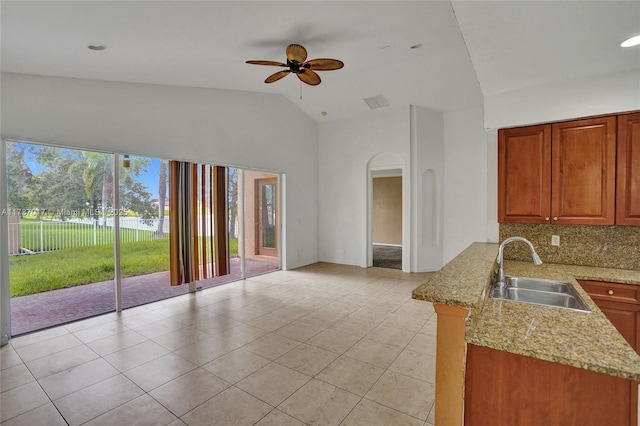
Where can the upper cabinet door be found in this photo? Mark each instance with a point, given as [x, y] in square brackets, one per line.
[583, 169]
[524, 174]
[628, 184]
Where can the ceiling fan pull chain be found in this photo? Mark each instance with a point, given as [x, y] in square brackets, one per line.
[301, 90]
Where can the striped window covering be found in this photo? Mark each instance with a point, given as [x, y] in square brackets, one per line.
[197, 222]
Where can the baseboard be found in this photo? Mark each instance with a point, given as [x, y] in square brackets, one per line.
[340, 262]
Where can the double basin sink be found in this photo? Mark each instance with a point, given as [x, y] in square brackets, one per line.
[537, 291]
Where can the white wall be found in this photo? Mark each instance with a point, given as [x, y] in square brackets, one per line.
[493, 227]
[428, 185]
[224, 127]
[565, 100]
[344, 150]
[412, 136]
[466, 177]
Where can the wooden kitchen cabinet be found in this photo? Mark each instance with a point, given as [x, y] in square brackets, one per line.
[524, 174]
[624, 318]
[503, 388]
[583, 171]
[620, 303]
[628, 170]
[560, 173]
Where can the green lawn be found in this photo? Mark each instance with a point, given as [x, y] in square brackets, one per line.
[52, 270]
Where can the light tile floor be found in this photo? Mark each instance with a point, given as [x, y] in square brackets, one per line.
[321, 345]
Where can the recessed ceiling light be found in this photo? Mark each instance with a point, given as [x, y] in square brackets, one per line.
[417, 46]
[630, 42]
[96, 46]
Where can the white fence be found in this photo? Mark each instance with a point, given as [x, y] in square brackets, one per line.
[45, 235]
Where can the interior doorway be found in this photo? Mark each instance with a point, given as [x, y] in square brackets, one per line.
[386, 218]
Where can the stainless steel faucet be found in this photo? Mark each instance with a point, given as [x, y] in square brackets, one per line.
[499, 278]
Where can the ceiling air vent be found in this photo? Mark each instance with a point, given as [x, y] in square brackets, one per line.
[377, 102]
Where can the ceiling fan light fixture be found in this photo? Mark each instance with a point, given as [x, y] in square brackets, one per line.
[630, 42]
[299, 65]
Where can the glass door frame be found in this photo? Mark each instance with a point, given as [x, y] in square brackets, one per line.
[5, 302]
[261, 216]
[280, 215]
[5, 284]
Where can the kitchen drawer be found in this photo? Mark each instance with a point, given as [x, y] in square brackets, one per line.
[625, 293]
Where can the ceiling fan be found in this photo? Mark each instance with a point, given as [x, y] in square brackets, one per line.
[298, 64]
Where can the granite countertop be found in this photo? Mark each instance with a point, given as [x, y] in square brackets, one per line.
[580, 339]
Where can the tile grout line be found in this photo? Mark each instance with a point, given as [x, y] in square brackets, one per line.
[273, 332]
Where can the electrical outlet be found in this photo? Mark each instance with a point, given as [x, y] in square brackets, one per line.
[555, 240]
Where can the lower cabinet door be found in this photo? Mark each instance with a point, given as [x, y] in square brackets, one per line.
[625, 317]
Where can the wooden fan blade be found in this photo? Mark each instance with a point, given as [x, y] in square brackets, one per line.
[276, 76]
[309, 77]
[297, 53]
[271, 63]
[325, 64]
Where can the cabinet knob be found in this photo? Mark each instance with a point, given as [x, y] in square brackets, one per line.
[555, 218]
[610, 292]
[546, 218]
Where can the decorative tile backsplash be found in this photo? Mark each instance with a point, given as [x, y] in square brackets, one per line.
[586, 245]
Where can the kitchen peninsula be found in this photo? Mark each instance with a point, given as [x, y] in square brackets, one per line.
[528, 350]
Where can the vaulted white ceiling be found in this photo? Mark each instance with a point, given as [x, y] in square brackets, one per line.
[522, 44]
[468, 48]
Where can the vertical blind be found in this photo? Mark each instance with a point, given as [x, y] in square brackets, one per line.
[197, 222]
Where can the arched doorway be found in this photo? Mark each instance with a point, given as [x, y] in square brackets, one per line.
[387, 213]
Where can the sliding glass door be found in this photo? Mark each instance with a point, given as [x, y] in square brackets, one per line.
[60, 210]
[144, 231]
[67, 208]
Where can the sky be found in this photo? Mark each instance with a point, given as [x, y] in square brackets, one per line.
[149, 178]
